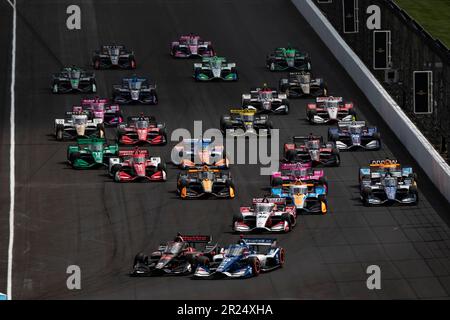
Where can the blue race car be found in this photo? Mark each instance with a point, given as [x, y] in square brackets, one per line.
[310, 198]
[135, 90]
[248, 258]
[355, 134]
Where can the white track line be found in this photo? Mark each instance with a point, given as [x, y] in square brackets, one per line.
[12, 164]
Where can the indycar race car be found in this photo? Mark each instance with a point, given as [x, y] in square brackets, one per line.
[312, 149]
[300, 84]
[298, 172]
[386, 182]
[142, 130]
[266, 100]
[73, 79]
[77, 125]
[135, 90]
[205, 182]
[288, 59]
[330, 109]
[355, 134]
[108, 114]
[137, 165]
[266, 214]
[244, 122]
[248, 258]
[191, 46]
[306, 197]
[178, 257]
[190, 153]
[91, 153]
[113, 56]
[215, 68]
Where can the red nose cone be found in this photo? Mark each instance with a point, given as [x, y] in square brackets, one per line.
[142, 134]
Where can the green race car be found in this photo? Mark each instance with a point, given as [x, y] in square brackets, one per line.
[288, 59]
[91, 153]
[215, 68]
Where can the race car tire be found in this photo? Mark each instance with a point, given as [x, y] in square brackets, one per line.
[366, 191]
[290, 155]
[229, 183]
[73, 156]
[94, 88]
[255, 265]
[141, 258]
[96, 64]
[282, 256]
[323, 181]
[287, 217]
[59, 133]
[238, 217]
[114, 169]
[352, 112]
[272, 66]
[132, 63]
[277, 182]
[334, 137]
[310, 115]
[286, 110]
[55, 88]
[203, 261]
[101, 130]
[335, 153]
[161, 166]
[155, 97]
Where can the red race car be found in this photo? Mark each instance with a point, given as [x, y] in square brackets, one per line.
[135, 165]
[311, 150]
[142, 130]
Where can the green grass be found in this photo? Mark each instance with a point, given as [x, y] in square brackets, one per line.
[433, 15]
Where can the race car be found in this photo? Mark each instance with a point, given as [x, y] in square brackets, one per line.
[91, 153]
[190, 153]
[329, 110]
[113, 56]
[137, 165]
[244, 122]
[142, 130]
[77, 125]
[350, 135]
[312, 149]
[306, 197]
[248, 258]
[135, 90]
[266, 100]
[266, 214]
[215, 68]
[204, 182]
[298, 172]
[177, 257]
[301, 84]
[73, 79]
[386, 182]
[97, 108]
[288, 58]
[191, 45]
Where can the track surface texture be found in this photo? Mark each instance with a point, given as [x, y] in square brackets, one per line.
[66, 217]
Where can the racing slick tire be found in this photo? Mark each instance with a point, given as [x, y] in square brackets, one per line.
[282, 256]
[333, 137]
[323, 199]
[323, 181]
[96, 64]
[155, 97]
[413, 191]
[94, 88]
[271, 66]
[277, 182]
[352, 113]
[59, 133]
[55, 88]
[335, 153]
[310, 115]
[140, 258]
[114, 170]
[255, 265]
[286, 217]
[365, 193]
[73, 156]
[286, 103]
[101, 130]
[202, 261]
[238, 217]
[132, 63]
[290, 155]
[225, 123]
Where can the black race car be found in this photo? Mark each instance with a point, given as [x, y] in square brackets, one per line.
[73, 79]
[135, 90]
[301, 84]
[112, 56]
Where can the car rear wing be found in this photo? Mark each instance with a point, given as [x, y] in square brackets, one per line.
[330, 98]
[277, 201]
[300, 139]
[120, 47]
[260, 241]
[196, 238]
[77, 113]
[208, 59]
[346, 124]
[243, 112]
[84, 141]
[203, 169]
[144, 118]
[130, 153]
[89, 101]
[387, 163]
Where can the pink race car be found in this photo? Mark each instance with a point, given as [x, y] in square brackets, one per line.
[298, 172]
[191, 46]
[101, 109]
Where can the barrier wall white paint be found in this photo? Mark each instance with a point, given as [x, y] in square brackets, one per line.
[415, 142]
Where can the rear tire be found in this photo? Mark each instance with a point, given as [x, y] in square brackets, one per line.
[256, 266]
[203, 261]
[140, 258]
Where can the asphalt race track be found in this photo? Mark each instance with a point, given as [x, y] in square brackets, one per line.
[66, 217]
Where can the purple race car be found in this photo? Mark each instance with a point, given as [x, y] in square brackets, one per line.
[101, 109]
[191, 46]
[298, 172]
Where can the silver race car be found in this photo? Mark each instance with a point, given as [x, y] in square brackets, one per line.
[77, 125]
[267, 100]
